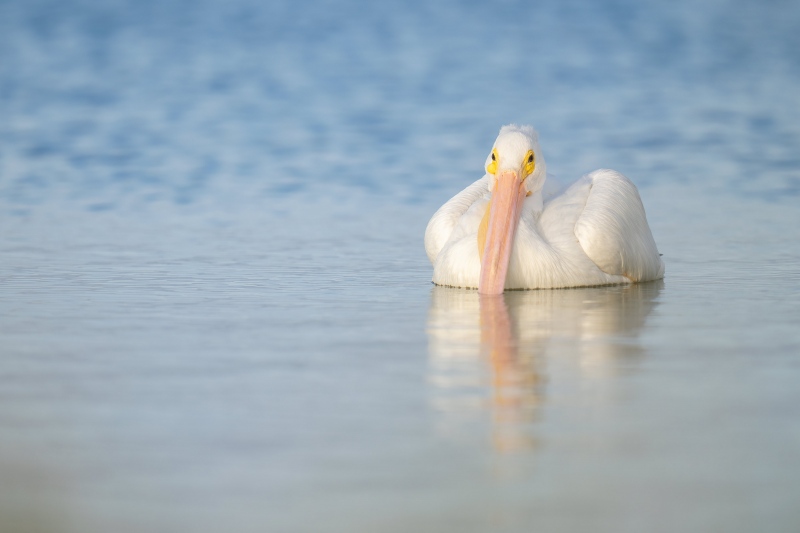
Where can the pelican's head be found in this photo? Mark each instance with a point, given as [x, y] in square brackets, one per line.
[516, 169]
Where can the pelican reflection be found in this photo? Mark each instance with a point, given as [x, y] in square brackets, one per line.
[496, 355]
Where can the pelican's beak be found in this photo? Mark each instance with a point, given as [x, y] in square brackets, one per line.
[504, 212]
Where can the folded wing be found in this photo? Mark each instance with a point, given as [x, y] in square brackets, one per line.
[444, 221]
[613, 229]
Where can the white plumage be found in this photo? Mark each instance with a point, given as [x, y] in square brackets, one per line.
[595, 233]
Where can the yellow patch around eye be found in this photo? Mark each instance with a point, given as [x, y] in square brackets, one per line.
[530, 163]
[491, 168]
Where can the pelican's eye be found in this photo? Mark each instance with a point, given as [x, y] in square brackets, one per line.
[491, 168]
[530, 163]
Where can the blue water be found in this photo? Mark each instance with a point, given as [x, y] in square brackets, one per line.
[215, 306]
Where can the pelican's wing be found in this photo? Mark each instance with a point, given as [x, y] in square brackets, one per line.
[444, 221]
[613, 229]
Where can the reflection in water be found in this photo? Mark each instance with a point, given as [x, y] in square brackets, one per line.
[495, 349]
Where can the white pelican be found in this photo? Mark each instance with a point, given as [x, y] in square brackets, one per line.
[498, 233]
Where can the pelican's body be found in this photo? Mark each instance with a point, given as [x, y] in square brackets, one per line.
[499, 233]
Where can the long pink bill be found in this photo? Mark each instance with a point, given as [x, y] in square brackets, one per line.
[505, 209]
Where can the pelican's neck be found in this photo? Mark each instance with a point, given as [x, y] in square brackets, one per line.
[534, 202]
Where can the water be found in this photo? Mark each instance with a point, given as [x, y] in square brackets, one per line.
[215, 306]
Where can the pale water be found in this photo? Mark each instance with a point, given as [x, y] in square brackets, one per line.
[216, 311]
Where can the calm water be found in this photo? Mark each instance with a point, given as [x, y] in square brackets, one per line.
[216, 311]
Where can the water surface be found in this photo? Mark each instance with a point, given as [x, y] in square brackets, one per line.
[216, 311]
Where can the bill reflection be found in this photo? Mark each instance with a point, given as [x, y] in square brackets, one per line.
[493, 358]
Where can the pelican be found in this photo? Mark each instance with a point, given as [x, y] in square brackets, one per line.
[499, 233]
